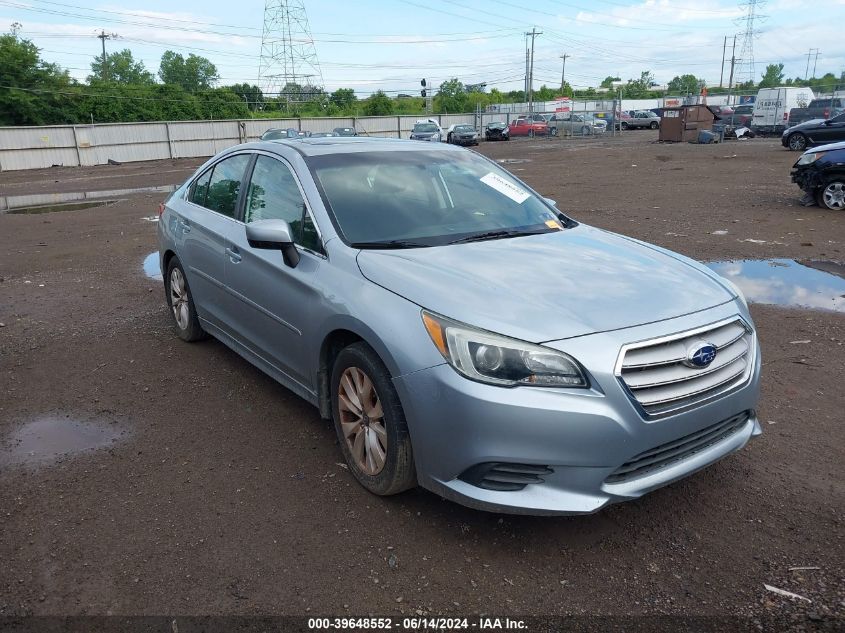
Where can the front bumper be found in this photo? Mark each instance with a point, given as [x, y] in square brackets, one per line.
[583, 436]
[807, 178]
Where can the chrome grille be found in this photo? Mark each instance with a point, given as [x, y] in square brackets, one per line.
[679, 450]
[657, 378]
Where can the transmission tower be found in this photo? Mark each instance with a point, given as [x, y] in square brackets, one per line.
[288, 55]
[746, 55]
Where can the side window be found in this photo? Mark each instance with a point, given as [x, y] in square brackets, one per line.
[225, 185]
[274, 195]
[200, 189]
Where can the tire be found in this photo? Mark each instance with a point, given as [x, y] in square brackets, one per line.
[530, 133]
[381, 460]
[654, 125]
[797, 142]
[181, 303]
[449, 139]
[832, 195]
[585, 131]
[553, 131]
[624, 125]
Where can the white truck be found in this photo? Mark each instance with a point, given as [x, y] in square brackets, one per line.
[772, 106]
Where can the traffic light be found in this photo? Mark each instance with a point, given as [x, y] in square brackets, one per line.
[422, 92]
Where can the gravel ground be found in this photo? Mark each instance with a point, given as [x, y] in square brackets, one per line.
[215, 491]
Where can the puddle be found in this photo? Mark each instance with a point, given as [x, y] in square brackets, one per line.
[513, 161]
[73, 200]
[152, 267]
[817, 285]
[67, 206]
[49, 439]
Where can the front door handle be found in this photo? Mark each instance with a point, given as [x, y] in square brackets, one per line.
[234, 255]
[185, 225]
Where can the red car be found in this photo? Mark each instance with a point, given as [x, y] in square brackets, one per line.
[526, 127]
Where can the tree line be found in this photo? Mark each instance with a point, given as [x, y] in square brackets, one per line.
[121, 89]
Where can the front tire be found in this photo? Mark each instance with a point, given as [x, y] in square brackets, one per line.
[624, 125]
[585, 131]
[370, 423]
[530, 133]
[181, 303]
[832, 195]
[654, 125]
[797, 142]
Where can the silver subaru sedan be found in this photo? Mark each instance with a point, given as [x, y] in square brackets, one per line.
[461, 332]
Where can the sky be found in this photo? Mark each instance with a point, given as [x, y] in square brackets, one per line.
[390, 45]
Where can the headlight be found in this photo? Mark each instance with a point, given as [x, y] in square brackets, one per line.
[808, 159]
[499, 360]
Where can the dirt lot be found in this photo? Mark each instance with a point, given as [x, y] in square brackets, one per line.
[219, 492]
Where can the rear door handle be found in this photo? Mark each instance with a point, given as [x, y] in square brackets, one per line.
[234, 255]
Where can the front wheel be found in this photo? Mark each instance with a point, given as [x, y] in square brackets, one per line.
[624, 125]
[654, 125]
[553, 131]
[797, 142]
[585, 131]
[370, 423]
[530, 133]
[832, 196]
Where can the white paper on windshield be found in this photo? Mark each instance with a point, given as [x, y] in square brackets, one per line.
[512, 191]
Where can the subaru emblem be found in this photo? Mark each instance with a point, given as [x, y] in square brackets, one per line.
[700, 354]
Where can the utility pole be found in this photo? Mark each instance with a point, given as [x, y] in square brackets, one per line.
[563, 72]
[103, 36]
[731, 76]
[724, 48]
[815, 60]
[534, 33]
[807, 69]
[525, 86]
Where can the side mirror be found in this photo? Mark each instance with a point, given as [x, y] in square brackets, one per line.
[551, 202]
[274, 235]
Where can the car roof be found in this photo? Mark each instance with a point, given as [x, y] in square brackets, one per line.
[347, 145]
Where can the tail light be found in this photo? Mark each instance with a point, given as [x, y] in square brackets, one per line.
[786, 116]
[826, 113]
[160, 209]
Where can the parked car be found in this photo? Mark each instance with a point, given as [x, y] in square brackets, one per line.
[276, 133]
[345, 131]
[609, 119]
[427, 131]
[403, 289]
[816, 132]
[826, 108]
[820, 172]
[497, 131]
[574, 123]
[460, 134]
[322, 134]
[742, 116]
[527, 127]
[641, 119]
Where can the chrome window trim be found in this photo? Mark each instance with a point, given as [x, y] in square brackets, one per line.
[731, 386]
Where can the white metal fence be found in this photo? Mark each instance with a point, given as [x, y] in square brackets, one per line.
[87, 145]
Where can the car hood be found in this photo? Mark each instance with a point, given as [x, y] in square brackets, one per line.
[826, 148]
[550, 286]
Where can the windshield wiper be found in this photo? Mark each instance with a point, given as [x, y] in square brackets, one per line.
[390, 244]
[498, 234]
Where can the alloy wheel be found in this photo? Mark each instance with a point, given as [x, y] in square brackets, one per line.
[797, 142]
[362, 420]
[179, 299]
[834, 196]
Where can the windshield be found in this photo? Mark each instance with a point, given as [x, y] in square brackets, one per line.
[425, 127]
[464, 128]
[425, 198]
[496, 126]
[269, 135]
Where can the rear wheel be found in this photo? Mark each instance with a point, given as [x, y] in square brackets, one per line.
[553, 131]
[370, 423]
[181, 303]
[797, 142]
[832, 196]
[530, 133]
[653, 125]
[624, 125]
[585, 131]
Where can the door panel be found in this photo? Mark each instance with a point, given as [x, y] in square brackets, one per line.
[203, 234]
[275, 300]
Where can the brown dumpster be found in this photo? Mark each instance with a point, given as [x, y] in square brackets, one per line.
[682, 124]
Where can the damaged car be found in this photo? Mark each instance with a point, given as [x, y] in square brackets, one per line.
[820, 172]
